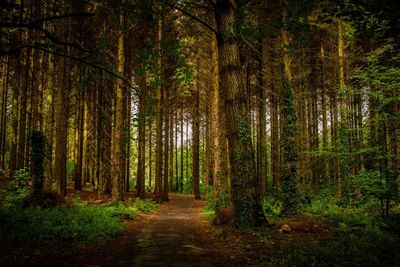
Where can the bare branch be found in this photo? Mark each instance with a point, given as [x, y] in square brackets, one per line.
[45, 32]
[86, 62]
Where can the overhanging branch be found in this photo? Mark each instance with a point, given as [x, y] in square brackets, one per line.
[86, 62]
[208, 26]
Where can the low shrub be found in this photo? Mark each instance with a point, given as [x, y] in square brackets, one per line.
[74, 223]
[371, 248]
[361, 238]
[18, 189]
[145, 205]
[79, 222]
[272, 209]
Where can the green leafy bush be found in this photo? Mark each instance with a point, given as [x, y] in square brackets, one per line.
[364, 187]
[79, 222]
[328, 208]
[361, 238]
[371, 247]
[21, 180]
[131, 210]
[145, 205]
[272, 208]
[122, 211]
[18, 189]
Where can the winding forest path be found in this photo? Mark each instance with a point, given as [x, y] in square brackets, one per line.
[173, 236]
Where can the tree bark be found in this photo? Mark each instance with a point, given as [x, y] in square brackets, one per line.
[117, 166]
[140, 180]
[166, 144]
[196, 144]
[159, 135]
[244, 186]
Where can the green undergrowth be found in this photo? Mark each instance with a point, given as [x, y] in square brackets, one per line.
[351, 231]
[360, 236]
[75, 222]
[79, 222]
[209, 212]
[370, 247]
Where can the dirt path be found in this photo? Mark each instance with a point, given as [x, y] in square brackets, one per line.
[173, 236]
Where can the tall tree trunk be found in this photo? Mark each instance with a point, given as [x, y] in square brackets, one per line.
[196, 143]
[215, 123]
[61, 129]
[106, 169]
[324, 114]
[80, 121]
[244, 186]
[159, 135]
[150, 152]
[262, 113]
[128, 140]
[187, 156]
[208, 142]
[166, 144]
[50, 122]
[23, 112]
[289, 128]
[4, 104]
[342, 104]
[176, 152]
[182, 156]
[117, 166]
[140, 180]
[172, 149]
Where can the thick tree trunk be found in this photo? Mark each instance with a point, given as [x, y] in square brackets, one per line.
[342, 103]
[117, 166]
[159, 135]
[61, 128]
[289, 128]
[215, 125]
[244, 186]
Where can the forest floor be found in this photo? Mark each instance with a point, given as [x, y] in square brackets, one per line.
[176, 234]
